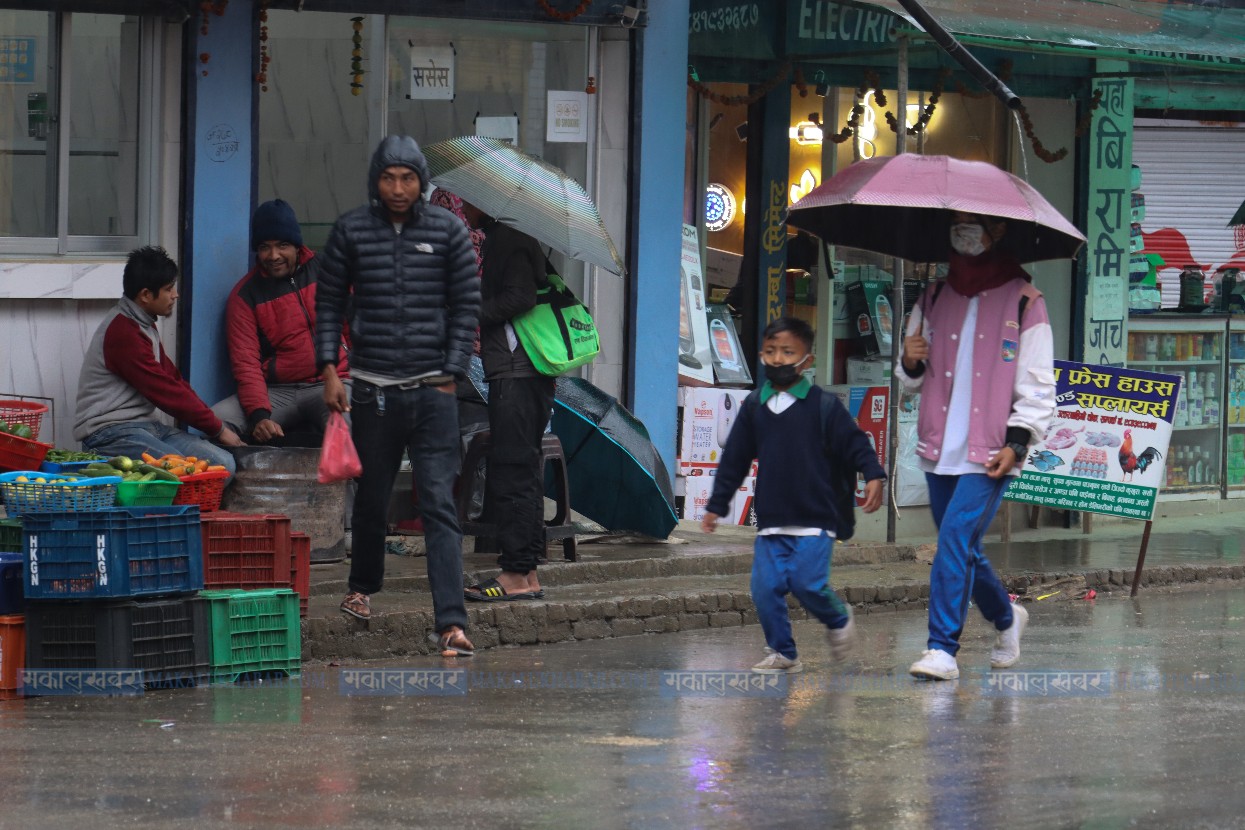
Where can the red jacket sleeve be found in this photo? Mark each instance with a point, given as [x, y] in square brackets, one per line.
[129, 355]
[242, 331]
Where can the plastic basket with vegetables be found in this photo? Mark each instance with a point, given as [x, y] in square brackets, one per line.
[68, 461]
[141, 485]
[19, 450]
[203, 483]
[28, 491]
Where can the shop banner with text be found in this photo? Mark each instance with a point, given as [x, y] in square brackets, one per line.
[1106, 446]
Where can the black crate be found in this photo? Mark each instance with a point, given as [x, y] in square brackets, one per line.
[168, 640]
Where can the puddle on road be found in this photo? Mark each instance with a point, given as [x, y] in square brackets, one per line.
[1057, 554]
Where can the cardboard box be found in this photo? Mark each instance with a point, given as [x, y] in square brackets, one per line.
[869, 371]
[700, 488]
[869, 406]
[708, 415]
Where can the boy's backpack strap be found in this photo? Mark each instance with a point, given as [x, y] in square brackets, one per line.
[843, 475]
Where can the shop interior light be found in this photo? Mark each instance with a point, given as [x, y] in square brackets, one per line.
[867, 130]
[719, 207]
[801, 189]
[807, 132]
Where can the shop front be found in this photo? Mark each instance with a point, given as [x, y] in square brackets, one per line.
[780, 101]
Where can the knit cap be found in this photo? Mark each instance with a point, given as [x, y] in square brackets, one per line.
[275, 220]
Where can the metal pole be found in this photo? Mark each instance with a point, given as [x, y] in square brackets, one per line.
[897, 317]
[1141, 558]
[961, 55]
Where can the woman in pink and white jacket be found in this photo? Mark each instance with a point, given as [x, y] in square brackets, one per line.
[978, 347]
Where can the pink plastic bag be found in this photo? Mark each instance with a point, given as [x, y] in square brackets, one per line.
[338, 459]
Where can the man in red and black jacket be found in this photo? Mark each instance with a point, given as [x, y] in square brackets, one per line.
[127, 379]
[270, 320]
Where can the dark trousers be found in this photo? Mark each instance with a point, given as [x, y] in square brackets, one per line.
[514, 490]
[424, 422]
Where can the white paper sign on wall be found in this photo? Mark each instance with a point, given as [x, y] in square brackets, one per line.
[566, 116]
[432, 73]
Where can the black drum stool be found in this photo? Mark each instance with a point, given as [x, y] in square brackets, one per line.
[557, 529]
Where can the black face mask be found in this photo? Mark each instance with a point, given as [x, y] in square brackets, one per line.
[784, 375]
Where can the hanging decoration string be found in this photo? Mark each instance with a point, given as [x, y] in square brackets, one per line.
[356, 56]
[561, 15]
[209, 8]
[927, 112]
[760, 92]
[264, 57]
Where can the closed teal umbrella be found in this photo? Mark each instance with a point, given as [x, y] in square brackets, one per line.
[526, 193]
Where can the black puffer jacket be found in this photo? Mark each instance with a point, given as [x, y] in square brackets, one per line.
[416, 294]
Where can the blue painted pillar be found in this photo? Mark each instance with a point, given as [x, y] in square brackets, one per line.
[220, 165]
[659, 115]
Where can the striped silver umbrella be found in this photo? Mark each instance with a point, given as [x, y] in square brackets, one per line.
[526, 193]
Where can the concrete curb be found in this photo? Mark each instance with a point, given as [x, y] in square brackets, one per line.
[402, 633]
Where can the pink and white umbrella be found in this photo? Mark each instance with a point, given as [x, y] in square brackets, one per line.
[899, 206]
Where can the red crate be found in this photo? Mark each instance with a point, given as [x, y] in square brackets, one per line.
[12, 651]
[21, 453]
[203, 489]
[300, 568]
[246, 551]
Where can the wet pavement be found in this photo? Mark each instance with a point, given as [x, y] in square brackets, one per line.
[1121, 713]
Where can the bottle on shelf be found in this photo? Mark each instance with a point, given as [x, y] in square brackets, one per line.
[1196, 397]
[1181, 418]
[1210, 402]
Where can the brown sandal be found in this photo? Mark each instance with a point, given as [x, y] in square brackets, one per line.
[453, 643]
[357, 605]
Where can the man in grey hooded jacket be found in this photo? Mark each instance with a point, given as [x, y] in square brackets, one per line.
[410, 270]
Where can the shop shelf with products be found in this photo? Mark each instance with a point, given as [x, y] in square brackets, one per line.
[1234, 410]
[1194, 349]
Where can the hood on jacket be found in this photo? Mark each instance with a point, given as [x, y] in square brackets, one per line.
[397, 151]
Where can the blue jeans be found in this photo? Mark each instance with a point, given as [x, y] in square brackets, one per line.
[797, 565]
[963, 507]
[424, 422]
[137, 437]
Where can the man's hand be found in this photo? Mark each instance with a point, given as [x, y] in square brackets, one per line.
[335, 397]
[915, 349]
[229, 438]
[450, 388]
[710, 522]
[1002, 463]
[873, 495]
[266, 430]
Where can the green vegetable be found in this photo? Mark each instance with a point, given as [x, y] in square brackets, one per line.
[21, 431]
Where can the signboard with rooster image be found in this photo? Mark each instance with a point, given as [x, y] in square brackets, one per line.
[1105, 448]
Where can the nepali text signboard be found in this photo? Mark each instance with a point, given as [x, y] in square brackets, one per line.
[1105, 448]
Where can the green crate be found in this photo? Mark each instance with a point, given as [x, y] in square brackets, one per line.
[254, 632]
[10, 535]
[147, 493]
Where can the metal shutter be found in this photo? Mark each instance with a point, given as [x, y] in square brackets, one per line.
[1193, 179]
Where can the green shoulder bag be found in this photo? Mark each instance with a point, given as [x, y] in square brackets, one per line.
[558, 333]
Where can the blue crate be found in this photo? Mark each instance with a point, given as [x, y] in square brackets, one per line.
[79, 494]
[11, 598]
[66, 466]
[120, 552]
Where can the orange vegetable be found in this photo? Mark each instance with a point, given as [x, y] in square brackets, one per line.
[201, 465]
[214, 468]
[148, 458]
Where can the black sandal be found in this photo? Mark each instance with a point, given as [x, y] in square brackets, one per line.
[490, 590]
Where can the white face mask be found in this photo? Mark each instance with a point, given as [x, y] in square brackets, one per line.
[966, 239]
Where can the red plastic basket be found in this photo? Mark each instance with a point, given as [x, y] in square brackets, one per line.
[203, 489]
[21, 453]
[29, 413]
[300, 565]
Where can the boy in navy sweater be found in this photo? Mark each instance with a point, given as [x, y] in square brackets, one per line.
[803, 447]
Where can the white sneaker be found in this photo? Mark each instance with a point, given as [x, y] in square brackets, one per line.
[842, 640]
[775, 663]
[1006, 649]
[935, 664]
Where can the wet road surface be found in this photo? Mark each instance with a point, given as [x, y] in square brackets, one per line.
[1121, 713]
